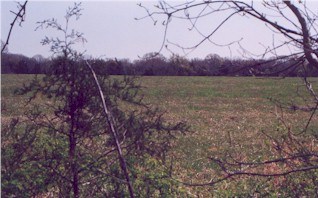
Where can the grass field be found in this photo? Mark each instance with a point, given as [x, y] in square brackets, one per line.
[224, 113]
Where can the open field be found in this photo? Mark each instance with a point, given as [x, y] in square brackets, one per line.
[224, 113]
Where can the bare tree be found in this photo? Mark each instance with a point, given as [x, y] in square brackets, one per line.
[299, 34]
[297, 24]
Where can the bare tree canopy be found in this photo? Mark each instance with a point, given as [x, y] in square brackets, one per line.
[297, 24]
[294, 21]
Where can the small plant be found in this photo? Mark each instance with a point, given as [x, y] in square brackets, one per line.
[72, 140]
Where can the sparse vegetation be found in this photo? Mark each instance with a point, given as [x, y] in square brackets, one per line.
[228, 114]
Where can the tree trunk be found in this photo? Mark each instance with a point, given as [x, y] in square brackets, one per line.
[72, 150]
[74, 168]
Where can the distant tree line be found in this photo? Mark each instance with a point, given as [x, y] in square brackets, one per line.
[20, 64]
[152, 64]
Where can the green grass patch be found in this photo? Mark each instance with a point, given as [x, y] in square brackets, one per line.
[225, 113]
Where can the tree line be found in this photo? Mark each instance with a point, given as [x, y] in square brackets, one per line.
[66, 146]
[153, 64]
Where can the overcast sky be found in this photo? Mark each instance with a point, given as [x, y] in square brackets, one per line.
[112, 31]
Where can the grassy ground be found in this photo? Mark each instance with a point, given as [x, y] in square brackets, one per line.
[225, 113]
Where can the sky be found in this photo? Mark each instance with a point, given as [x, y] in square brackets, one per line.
[111, 31]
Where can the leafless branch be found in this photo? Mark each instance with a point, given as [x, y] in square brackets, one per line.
[111, 124]
[301, 34]
[20, 15]
[305, 34]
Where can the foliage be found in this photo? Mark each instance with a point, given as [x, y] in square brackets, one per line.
[74, 148]
[22, 174]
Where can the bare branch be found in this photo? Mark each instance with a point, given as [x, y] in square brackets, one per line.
[305, 34]
[18, 16]
[111, 124]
